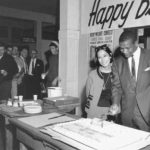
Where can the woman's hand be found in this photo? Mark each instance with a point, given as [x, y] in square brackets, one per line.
[114, 109]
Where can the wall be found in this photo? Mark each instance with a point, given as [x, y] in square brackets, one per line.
[28, 15]
[69, 45]
[74, 48]
[44, 47]
[84, 52]
[16, 13]
[116, 35]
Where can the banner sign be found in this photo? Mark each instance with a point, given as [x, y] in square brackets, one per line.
[100, 38]
[100, 15]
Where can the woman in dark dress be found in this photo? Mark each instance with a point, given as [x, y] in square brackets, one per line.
[98, 85]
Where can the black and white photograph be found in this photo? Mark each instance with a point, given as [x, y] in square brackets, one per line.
[74, 74]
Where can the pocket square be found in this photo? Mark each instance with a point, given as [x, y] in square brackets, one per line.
[147, 69]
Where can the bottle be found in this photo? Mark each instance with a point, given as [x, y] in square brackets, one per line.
[9, 102]
[43, 89]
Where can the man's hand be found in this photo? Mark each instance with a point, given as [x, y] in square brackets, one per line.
[4, 72]
[55, 81]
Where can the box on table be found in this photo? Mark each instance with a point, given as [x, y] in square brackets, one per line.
[61, 101]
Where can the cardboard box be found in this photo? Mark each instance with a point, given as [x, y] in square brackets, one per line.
[61, 100]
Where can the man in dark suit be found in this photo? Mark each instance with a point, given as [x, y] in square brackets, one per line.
[36, 68]
[8, 68]
[131, 83]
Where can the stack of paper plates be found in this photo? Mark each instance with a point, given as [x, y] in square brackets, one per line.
[32, 109]
[23, 103]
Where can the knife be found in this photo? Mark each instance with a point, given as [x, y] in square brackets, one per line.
[56, 116]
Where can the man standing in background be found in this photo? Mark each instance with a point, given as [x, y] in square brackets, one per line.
[22, 88]
[8, 68]
[52, 73]
[36, 68]
[17, 79]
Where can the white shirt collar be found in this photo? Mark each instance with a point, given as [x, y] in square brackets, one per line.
[1, 56]
[136, 56]
[137, 53]
[22, 57]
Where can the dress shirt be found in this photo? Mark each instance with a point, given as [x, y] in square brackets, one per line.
[33, 60]
[136, 56]
[24, 65]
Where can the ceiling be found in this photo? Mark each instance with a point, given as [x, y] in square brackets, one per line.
[41, 6]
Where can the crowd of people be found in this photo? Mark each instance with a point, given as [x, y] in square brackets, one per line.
[117, 86]
[21, 72]
[120, 86]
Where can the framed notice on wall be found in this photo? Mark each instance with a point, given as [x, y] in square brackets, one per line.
[100, 38]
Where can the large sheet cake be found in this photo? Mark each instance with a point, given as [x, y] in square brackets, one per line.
[99, 135]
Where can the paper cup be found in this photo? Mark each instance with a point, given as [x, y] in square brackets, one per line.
[20, 98]
[35, 97]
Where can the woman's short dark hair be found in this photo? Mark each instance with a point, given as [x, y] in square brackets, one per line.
[106, 49]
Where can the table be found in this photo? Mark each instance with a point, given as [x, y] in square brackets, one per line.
[19, 132]
[9, 130]
[33, 138]
[36, 140]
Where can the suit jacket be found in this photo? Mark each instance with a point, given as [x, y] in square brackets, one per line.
[38, 68]
[129, 92]
[94, 86]
[8, 64]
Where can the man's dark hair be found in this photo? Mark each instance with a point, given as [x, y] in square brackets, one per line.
[128, 35]
[8, 46]
[35, 50]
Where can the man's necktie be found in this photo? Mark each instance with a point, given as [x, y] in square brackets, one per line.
[32, 66]
[24, 65]
[133, 71]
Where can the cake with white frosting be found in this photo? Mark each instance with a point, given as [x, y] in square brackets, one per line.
[102, 135]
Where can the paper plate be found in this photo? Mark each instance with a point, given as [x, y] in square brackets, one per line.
[32, 109]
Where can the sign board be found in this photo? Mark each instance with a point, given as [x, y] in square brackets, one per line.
[100, 15]
[102, 37]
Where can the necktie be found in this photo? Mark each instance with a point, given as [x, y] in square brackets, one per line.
[133, 68]
[24, 65]
[32, 66]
